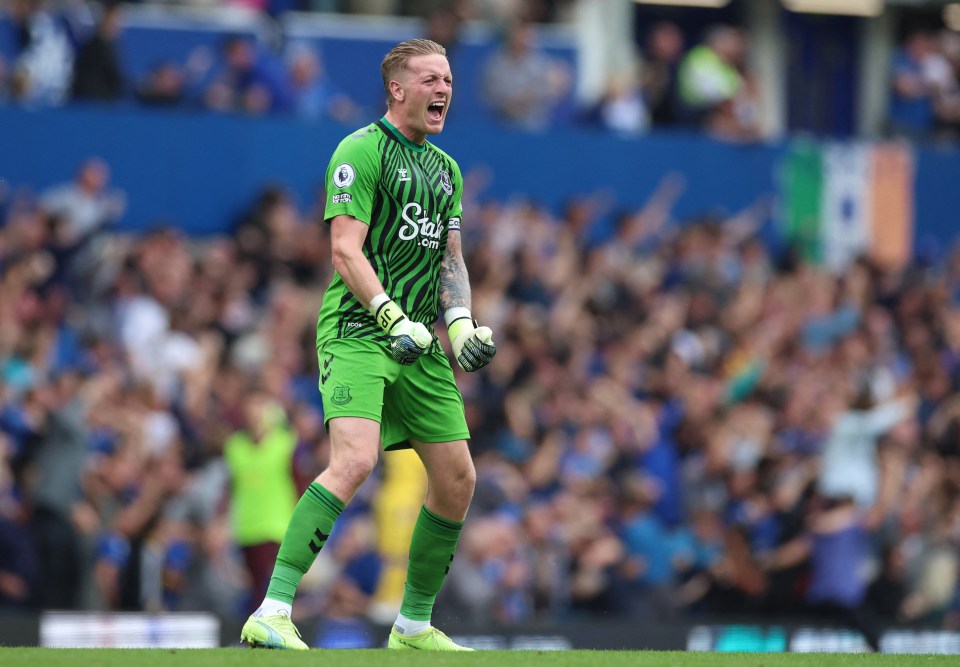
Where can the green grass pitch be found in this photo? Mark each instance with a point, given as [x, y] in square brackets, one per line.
[236, 657]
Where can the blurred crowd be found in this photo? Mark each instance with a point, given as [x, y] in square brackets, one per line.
[682, 418]
[925, 86]
[53, 54]
[682, 421]
[708, 86]
[130, 368]
[50, 57]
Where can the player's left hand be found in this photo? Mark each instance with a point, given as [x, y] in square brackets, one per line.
[473, 346]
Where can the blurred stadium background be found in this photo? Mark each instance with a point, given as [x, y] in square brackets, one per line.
[715, 240]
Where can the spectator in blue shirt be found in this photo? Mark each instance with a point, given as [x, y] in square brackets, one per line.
[315, 96]
[912, 102]
[247, 81]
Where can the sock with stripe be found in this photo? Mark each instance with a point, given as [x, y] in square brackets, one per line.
[431, 552]
[307, 532]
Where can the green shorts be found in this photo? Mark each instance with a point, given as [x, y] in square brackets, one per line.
[420, 402]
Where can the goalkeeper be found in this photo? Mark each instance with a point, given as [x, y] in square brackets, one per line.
[394, 207]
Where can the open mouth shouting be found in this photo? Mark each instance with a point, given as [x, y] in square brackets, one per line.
[435, 110]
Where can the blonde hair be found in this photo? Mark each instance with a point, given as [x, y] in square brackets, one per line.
[398, 57]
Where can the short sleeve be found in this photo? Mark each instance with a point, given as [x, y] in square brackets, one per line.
[455, 212]
[352, 177]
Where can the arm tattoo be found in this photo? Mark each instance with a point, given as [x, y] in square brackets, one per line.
[454, 283]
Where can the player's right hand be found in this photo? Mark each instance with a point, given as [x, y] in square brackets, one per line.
[408, 340]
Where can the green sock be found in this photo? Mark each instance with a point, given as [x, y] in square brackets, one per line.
[431, 552]
[306, 534]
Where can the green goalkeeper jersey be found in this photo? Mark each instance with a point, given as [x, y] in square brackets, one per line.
[411, 197]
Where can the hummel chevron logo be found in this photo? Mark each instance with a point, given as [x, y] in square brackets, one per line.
[322, 537]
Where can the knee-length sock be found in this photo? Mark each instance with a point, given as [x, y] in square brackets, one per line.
[432, 547]
[307, 532]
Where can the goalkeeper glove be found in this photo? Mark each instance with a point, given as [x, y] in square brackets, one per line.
[408, 340]
[472, 345]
